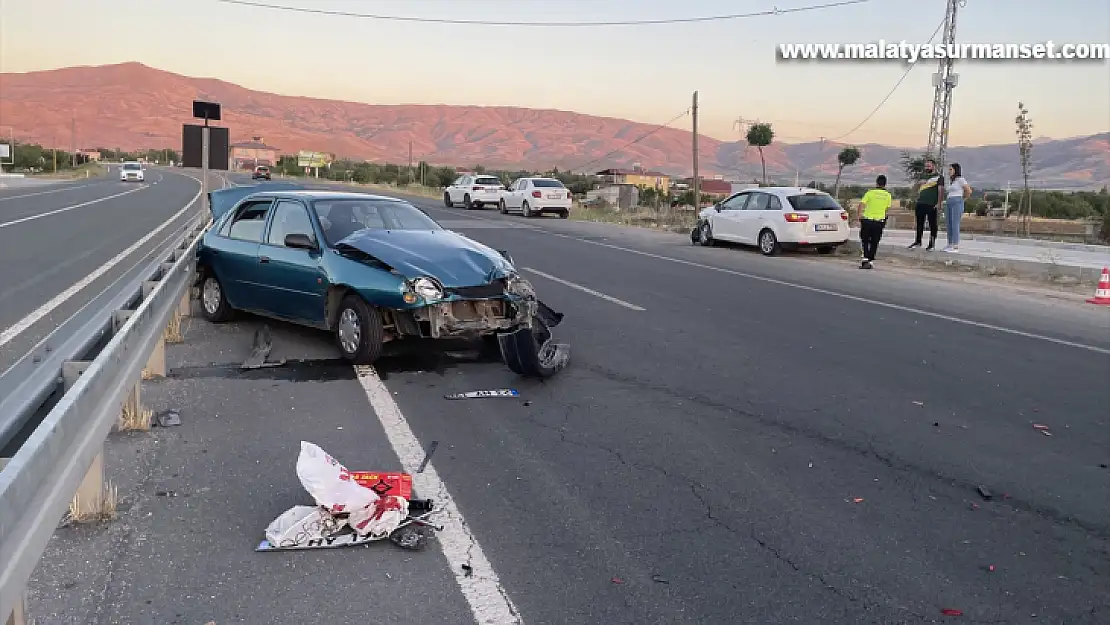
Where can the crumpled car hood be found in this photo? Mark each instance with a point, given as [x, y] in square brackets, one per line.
[451, 258]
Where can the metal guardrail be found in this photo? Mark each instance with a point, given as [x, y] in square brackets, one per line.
[63, 453]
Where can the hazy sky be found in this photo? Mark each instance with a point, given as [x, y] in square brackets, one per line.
[645, 73]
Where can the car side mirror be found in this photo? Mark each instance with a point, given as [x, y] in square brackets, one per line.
[717, 207]
[300, 242]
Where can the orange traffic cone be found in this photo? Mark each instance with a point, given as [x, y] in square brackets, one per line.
[1102, 293]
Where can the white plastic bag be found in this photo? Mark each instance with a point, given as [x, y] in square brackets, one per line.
[330, 483]
[381, 518]
[300, 524]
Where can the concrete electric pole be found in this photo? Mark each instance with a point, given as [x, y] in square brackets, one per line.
[697, 182]
[943, 82]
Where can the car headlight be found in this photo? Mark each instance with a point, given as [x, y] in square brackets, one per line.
[427, 289]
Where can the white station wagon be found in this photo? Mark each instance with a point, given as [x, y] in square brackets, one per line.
[772, 218]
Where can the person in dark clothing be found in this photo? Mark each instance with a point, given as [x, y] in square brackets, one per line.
[930, 194]
[872, 220]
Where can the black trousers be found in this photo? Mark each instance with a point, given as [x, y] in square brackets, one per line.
[925, 212]
[870, 232]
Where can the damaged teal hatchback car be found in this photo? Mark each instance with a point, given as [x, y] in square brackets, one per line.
[370, 269]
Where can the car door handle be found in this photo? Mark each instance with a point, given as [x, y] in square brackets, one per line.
[263, 259]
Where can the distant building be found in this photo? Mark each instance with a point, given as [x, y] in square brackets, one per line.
[92, 156]
[713, 187]
[638, 177]
[250, 154]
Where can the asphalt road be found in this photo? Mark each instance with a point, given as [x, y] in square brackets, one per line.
[52, 237]
[737, 439]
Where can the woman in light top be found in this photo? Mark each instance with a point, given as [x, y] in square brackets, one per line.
[958, 190]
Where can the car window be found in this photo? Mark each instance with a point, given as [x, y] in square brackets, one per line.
[523, 185]
[813, 202]
[458, 181]
[774, 204]
[735, 203]
[487, 180]
[249, 222]
[289, 218]
[758, 202]
[342, 218]
[548, 184]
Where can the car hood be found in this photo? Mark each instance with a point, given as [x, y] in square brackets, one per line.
[222, 200]
[454, 260]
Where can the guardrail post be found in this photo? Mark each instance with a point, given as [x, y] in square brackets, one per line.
[156, 364]
[89, 499]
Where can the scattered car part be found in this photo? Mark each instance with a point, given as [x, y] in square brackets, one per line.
[499, 392]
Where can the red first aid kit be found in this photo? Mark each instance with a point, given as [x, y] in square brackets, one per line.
[385, 483]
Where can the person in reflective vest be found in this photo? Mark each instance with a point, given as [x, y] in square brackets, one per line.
[872, 220]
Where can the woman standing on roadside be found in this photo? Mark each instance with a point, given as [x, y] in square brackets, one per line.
[958, 190]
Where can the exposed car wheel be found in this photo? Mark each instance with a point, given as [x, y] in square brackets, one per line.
[768, 243]
[447, 200]
[213, 303]
[826, 249]
[525, 209]
[530, 351]
[705, 234]
[501, 207]
[466, 202]
[358, 331]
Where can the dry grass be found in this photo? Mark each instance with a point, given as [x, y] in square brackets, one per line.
[104, 510]
[172, 333]
[663, 219]
[134, 417]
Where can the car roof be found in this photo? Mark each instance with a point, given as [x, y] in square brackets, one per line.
[540, 178]
[786, 190]
[314, 194]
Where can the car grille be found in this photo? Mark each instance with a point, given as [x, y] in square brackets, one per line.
[485, 291]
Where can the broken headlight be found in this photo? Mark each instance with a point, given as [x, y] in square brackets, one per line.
[427, 289]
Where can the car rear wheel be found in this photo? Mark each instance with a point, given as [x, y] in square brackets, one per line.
[467, 203]
[501, 207]
[705, 234]
[768, 243]
[826, 249]
[359, 331]
[564, 214]
[213, 303]
[525, 209]
[447, 200]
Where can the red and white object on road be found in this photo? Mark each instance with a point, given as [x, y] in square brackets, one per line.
[1102, 293]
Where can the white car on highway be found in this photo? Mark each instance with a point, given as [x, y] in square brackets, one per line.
[772, 218]
[536, 196]
[474, 191]
[131, 171]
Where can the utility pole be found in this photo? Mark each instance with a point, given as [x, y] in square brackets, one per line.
[54, 152]
[697, 182]
[944, 81]
[73, 136]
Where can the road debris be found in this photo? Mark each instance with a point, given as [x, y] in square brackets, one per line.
[952, 612]
[919, 403]
[168, 418]
[428, 456]
[468, 570]
[858, 500]
[352, 508]
[617, 580]
[499, 392]
[990, 568]
[984, 493]
[659, 579]
[1038, 426]
[260, 350]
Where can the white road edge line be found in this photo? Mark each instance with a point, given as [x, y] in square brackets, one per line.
[482, 590]
[65, 209]
[42, 311]
[813, 289]
[608, 298]
[67, 188]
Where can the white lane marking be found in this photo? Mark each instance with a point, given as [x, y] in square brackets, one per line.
[608, 298]
[487, 598]
[65, 209]
[42, 311]
[68, 188]
[813, 289]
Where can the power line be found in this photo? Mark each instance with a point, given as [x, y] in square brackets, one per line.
[435, 20]
[633, 142]
[892, 90]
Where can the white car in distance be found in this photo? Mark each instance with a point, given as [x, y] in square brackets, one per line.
[131, 171]
[536, 196]
[772, 218]
[474, 191]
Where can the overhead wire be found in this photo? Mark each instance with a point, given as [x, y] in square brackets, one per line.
[644, 22]
[647, 134]
[891, 92]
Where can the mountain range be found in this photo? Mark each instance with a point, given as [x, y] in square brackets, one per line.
[132, 106]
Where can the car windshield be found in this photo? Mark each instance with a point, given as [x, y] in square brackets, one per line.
[342, 218]
[488, 181]
[813, 202]
[554, 184]
[131, 166]
[263, 170]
